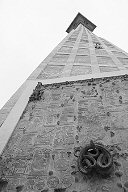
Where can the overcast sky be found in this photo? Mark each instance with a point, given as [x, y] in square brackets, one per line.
[30, 29]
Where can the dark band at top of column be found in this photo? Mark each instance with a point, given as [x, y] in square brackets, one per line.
[80, 19]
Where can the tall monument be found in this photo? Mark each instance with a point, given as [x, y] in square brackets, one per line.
[66, 128]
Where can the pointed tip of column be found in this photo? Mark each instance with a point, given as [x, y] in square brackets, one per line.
[80, 19]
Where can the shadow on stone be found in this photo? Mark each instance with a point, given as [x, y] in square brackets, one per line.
[19, 188]
[59, 190]
[3, 184]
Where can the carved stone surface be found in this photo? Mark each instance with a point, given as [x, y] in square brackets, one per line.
[39, 155]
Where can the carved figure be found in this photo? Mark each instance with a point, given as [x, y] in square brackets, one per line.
[94, 158]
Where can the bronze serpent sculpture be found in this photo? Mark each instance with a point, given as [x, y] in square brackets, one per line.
[94, 157]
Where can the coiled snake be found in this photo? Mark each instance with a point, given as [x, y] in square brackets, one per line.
[94, 157]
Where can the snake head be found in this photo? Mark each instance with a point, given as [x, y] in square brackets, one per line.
[92, 144]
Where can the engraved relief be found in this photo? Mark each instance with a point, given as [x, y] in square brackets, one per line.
[39, 156]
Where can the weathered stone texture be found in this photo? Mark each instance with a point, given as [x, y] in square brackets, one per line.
[51, 71]
[80, 70]
[60, 117]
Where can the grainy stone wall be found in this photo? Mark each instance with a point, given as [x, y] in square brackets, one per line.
[40, 153]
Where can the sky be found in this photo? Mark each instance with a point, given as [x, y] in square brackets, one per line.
[30, 29]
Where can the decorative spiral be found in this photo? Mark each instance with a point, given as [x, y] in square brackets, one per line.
[86, 163]
[104, 161]
[94, 157]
